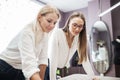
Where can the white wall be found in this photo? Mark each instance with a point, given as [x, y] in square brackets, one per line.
[14, 14]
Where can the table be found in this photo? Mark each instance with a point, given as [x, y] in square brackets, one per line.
[86, 77]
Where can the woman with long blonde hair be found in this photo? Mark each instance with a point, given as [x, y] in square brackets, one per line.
[26, 55]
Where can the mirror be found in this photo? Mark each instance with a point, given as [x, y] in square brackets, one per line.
[100, 47]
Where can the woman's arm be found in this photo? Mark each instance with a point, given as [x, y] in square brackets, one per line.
[88, 67]
[43, 58]
[53, 54]
[28, 57]
[42, 71]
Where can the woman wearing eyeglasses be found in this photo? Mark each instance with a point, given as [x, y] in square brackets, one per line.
[64, 42]
[26, 55]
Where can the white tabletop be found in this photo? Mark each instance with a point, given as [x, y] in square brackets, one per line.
[86, 77]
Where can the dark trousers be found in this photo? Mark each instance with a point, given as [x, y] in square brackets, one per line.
[7, 72]
[47, 74]
[47, 77]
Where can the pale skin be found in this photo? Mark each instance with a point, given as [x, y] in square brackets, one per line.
[47, 23]
[39, 75]
[75, 27]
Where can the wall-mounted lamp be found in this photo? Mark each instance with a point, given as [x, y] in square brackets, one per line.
[110, 9]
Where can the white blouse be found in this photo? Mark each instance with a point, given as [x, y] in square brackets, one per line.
[27, 50]
[60, 54]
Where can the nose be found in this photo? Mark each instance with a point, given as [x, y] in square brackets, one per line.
[77, 29]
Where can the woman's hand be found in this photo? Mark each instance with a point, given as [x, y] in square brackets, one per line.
[36, 76]
[96, 78]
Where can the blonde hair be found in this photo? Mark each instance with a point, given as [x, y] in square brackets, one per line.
[82, 36]
[48, 9]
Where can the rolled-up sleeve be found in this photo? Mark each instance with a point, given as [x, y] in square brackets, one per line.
[27, 53]
[88, 67]
[43, 57]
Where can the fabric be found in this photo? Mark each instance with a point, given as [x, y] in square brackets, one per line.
[116, 42]
[75, 59]
[47, 74]
[69, 71]
[116, 56]
[47, 77]
[27, 50]
[60, 54]
[7, 72]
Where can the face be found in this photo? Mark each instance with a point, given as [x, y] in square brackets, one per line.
[76, 26]
[48, 21]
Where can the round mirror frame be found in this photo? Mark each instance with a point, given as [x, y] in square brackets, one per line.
[100, 42]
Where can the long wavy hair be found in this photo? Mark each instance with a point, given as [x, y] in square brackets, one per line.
[82, 46]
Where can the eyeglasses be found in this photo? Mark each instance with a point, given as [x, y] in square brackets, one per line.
[75, 25]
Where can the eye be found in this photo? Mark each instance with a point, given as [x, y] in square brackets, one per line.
[49, 21]
[81, 26]
[74, 24]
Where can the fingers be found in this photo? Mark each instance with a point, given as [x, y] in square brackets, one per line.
[95, 78]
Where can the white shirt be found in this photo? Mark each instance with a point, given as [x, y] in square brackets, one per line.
[27, 50]
[103, 54]
[60, 54]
